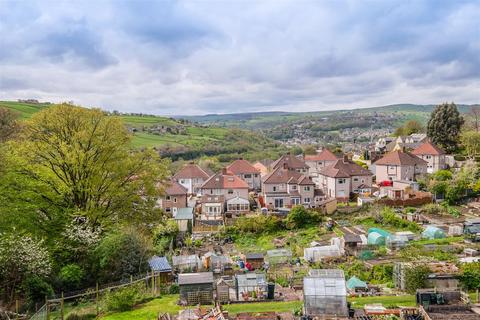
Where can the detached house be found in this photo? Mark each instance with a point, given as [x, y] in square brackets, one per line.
[434, 156]
[191, 177]
[319, 161]
[399, 165]
[344, 177]
[291, 162]
[244, 170]
[175, 198]
[284, 188]
[233, 189]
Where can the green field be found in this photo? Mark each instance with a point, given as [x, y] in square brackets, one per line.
[26, 110]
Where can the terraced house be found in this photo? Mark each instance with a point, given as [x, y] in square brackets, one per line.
[344, 177]
[317, 162]
[284, 188]
[175, 198]
[290, 162]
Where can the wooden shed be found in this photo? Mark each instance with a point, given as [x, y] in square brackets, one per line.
[196, 288]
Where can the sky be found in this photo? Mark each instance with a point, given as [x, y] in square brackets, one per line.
[199, 57]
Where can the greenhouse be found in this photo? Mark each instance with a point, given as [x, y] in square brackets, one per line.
[187, 263]
[380, 231]
[251, 286]
[375, 238]
[432, 232]
[396, 242]
[316, 254]
[325, 294]
[354, 284]
[279, 256]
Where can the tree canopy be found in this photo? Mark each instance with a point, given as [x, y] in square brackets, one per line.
[444, 126]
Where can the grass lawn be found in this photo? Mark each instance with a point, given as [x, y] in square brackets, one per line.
[168, 304]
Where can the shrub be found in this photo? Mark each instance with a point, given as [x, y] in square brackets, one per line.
[36, 289]
[71, 276]
[123, 299]
[173, 289]
[258, 224]
[300, 217]
[415, 278]
[470, 275]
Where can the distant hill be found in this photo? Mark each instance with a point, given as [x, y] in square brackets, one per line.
[259, 120]
[178, 138]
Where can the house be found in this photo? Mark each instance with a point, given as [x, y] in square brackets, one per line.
[233, 189]
[399, 165]
[263, 166]
[381, 144]
[319, 161]
[285, 188]
[196, 288]
[213, 207]
[175, 197]
[344, 177]
[184, 219]
[407, 142]
[325, 294]
[433, 155]
[291, 162]
[248, 173]
[191, 177]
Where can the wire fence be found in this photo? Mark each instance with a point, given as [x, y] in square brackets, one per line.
[89, 300]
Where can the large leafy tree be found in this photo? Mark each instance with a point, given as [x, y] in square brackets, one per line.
[71, 162]
[444, 126]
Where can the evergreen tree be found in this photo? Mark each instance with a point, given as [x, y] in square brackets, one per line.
[444, 126]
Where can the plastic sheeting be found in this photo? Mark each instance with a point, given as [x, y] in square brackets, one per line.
[316, 254]
[432, 232]
[375, 238]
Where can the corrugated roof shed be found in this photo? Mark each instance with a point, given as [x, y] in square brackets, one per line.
[159, 264]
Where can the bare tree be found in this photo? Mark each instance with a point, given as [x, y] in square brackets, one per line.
[475, 113]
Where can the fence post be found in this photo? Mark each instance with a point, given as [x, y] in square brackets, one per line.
[61, 307]
[478, 296]
[131, 278]
[16, 309]
[47, 315]
[96, 299]
[153, 283]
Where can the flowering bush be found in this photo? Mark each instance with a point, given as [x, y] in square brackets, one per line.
[21, 257]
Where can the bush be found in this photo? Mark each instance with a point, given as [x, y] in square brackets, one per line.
[258, 224]
[300, 217]
[71, 276]
[415, 278]
[123, 299]
[36, 289]
[389, 217]
[470, 275]
[79, 316]
[173, 289]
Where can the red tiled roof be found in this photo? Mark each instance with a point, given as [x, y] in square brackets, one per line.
[175, 188]
[428, 148]
[282, 175]
[191, 171]
[225, 180]
[242, 166]
[324, 155]
[400, 158]
[344, 168]
[291, 161]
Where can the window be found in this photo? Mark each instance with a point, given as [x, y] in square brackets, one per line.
[255, 175]
[428, 157]
[248, 176]
[355, 179]
[295, 201]
[341, 181]
[294, 187]
[230, 191]
[307, 188]
[274, 188]
[175, 199]
[306, 200]
[167, 198]
[182, 181]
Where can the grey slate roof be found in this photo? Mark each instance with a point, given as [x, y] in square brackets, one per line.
[195, 278]
[159, 264]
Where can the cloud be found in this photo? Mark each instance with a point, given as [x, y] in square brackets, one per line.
[187, 57]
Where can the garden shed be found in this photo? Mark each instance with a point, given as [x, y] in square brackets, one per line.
[187, 263]
[216, 263]
[196, 288]
[325, 294]
[251, 286]
[184, 219]
[433, 232]
[161, 267]
[277, 256]
[354, 284]
[316, 254]
[255, 260]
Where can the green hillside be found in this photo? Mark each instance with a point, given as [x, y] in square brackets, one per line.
[180, 139]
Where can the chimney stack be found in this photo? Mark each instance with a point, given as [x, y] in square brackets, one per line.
[224, 171]
[345, 158]
[285, 165]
